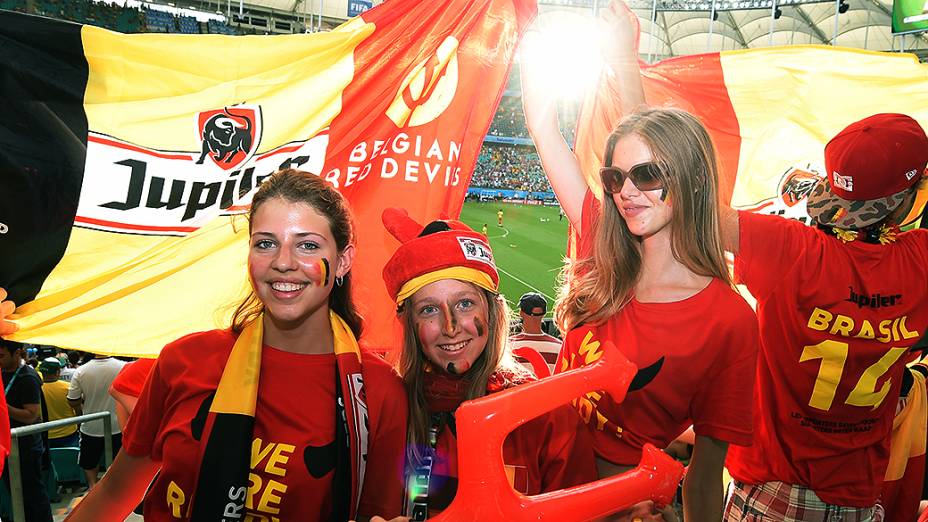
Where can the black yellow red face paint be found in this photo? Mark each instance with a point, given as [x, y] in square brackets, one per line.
[323, 265]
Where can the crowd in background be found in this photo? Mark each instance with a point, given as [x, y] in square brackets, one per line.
[517, 167]
[43, 384]
[512, 168]
[509, 120]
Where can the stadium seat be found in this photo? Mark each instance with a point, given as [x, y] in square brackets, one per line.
[65, 462]
[50, 477]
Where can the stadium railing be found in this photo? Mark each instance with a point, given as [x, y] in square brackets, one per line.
[16, 482]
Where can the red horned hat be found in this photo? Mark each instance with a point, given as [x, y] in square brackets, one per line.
[444, 249]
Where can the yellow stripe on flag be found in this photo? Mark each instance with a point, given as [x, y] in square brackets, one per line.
[122, 291]
[143, 88]
[790, 101]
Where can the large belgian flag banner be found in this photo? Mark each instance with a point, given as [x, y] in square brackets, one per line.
[127, 161]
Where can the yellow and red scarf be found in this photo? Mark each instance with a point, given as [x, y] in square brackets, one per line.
[226, 446]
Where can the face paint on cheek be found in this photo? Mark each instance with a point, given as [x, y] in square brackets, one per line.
[323, 266]
[420, 335]
[453, 320]
[479, 326]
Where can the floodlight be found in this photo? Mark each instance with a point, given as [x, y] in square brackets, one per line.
[571, 46]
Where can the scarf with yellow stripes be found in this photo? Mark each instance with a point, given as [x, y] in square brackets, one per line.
[226, 445]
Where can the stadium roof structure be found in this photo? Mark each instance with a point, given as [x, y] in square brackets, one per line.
[682, 27]
[668, 27]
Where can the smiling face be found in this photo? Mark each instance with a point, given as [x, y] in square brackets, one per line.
[293, 260]
[451, 319]
[643, 211]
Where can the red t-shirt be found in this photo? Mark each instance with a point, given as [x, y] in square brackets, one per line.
[132, 377]
[709, 344]
[835, 322]
[545, 454]
[294, 430]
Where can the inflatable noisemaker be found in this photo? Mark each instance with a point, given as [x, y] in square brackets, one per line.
[483, 491]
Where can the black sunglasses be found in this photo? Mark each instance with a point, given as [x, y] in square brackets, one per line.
[645, 176]
[534, 314]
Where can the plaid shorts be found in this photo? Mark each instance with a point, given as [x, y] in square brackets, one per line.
[787, 503]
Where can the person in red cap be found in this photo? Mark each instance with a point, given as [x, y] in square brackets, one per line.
[455, 325]
[839, 306]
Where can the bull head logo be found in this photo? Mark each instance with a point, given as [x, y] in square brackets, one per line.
[428, 89]
[229, 136]
[797, 184]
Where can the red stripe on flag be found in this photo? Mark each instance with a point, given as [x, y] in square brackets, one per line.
[128, 146]
[419, 156]
[697, 85]
[291, 148]
[129, 226]
[693, 83]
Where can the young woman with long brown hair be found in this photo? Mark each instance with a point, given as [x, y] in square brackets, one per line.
[281, 416]
[651, 277]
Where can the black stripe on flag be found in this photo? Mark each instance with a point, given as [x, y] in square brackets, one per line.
[224, 468]
[43, 143]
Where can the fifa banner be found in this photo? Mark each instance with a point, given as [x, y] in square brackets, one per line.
[128, 162]
[770, 113]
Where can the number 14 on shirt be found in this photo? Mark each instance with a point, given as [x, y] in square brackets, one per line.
[833, 355]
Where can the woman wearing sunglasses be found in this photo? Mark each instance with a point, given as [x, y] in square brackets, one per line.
[650, 276]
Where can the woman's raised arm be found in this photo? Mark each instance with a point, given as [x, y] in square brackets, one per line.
[559, 162]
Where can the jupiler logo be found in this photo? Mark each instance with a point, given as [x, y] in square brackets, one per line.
[134, 189]
[792, 193]
[229, 135]
[476, 250]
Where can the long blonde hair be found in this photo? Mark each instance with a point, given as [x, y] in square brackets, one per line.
[598, 287]
[412, 365]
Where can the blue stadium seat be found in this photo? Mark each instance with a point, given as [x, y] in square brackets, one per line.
[65, 462]
[50, 477]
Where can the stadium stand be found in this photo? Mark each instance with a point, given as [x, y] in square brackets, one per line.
[115, 17]
[188, 25]
[509, 120]
[508, 160]
[159, 21]
[217, 27]
[512, 168]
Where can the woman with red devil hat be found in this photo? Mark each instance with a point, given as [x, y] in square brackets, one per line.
[455, 347]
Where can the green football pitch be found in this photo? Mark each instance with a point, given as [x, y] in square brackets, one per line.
[529, 247]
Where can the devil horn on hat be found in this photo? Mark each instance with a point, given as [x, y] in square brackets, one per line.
[398, 223]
